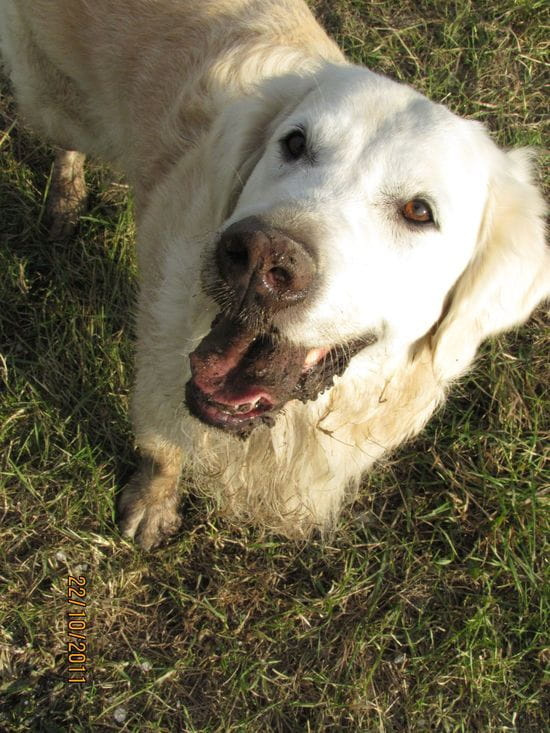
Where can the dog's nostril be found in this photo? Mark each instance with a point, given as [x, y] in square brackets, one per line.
[279, 277]
[237, 252]
[264, 267]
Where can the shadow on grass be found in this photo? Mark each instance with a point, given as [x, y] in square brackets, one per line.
[66, 323]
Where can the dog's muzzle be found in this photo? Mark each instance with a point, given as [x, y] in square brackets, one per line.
[243, 371]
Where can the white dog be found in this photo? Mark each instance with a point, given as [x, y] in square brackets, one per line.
[321, 249]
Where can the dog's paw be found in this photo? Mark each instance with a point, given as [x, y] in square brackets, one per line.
[145, 520]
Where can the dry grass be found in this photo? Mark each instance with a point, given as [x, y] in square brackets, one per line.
[428, 611]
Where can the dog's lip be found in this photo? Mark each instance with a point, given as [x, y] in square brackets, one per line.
[241, 378]
[213, 413]
[234, 399]
[237, 409]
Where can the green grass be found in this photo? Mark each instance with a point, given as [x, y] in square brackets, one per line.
[429, 609]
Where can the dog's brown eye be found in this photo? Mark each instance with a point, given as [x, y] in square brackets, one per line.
[295, 145]
[418, 211]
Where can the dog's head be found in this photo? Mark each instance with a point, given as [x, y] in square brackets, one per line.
[356, 212]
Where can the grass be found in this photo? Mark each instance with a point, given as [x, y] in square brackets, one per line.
[429, 609]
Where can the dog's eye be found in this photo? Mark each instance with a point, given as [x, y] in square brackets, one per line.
[418, 211]
[294, 145]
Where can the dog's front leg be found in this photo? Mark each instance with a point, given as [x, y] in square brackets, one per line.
[148, 505]
[68, 196]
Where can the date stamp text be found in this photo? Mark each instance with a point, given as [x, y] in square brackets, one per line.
[76, 627]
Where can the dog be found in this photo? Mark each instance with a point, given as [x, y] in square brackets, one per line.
[321, 249]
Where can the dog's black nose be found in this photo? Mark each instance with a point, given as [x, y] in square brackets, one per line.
[264, 266]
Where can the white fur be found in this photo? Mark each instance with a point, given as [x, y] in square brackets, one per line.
[195, 120]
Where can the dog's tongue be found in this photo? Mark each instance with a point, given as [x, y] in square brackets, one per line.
[235, 365]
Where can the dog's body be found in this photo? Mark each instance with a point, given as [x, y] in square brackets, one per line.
[356, 242]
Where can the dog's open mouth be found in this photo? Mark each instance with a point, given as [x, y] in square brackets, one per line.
[241, 379]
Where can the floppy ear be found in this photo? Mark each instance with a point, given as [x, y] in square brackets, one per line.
[241, 133]
[509, 275]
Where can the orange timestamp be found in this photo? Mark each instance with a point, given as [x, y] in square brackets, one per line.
[76, 628]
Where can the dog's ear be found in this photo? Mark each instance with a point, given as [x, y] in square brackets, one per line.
[240, 135]
[508, 276]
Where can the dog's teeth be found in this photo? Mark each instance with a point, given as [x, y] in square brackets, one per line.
[314, 356]
[245, 408]
[234, 409]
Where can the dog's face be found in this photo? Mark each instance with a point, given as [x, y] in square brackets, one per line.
[363, 208]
